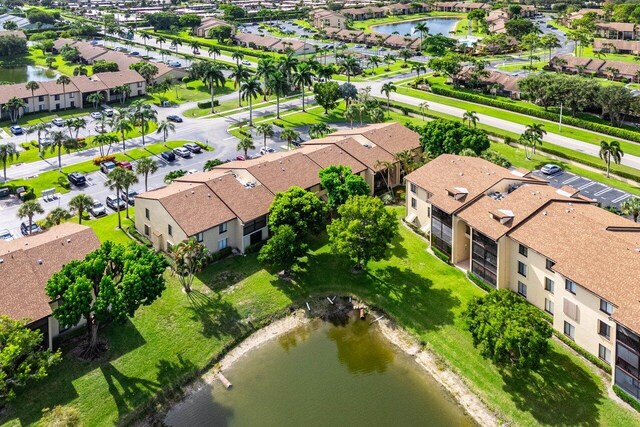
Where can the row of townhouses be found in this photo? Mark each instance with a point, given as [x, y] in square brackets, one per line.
[228, 206]
[557, 249]
[596, 67]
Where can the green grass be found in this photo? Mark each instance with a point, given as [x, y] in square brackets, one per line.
[230, 106]
[519, 66]
[462, 29]
[192, 91]
[588, 53]
[179, 335]
[106, 227]
[366, 24]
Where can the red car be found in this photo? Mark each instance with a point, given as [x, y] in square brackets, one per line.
[239, 157]
[125, 165]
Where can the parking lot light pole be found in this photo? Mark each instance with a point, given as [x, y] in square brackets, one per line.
[560, 123]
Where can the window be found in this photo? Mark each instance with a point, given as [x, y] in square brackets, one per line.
[41, 98]
[414, 203]
[414, 188]
[548, 306]
[72, 95]
[522, 250]
[200, 237]
[606, 307]
[604, 353]
[569, 330]
[146, 230]
[428, 211]
[222, 228]
[139, 84]
[169, 230]
[223, 243]
[522, 269]
[255, 225]
[56, 98]
[441, 234]
[548, 285]
[604, 329]
[550, 265]
[169, 246]
[522, 289]
[570, 286]
[147, 214]
[484, 258]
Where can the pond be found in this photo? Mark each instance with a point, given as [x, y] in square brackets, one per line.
[321, 375]
[25, 73]
[436, 26]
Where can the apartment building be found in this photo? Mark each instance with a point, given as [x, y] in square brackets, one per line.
[27, 264]
[328, 19]
[596, 67]
[618, 30]
[228, 206]
[557, 249]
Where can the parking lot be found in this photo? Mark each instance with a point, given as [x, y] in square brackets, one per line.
[605, 195]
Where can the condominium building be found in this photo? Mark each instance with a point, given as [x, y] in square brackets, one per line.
[554, 247]
[229, 205]
[27, 264]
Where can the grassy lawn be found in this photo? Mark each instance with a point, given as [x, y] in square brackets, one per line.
[368, 23]
[519, 66]
[179, 335]
[462, 29]
[231, 106]
[588, 53]
[192, 91]
[106, 227]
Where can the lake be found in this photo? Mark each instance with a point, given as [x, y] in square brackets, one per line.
[436, 26]
[322, 375]
[25, 73]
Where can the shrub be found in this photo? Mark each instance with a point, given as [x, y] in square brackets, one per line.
[627, 398]
[61, 416]
[207, 104]
[480, 282]
[444, 257]
[221, 254]
[25, 146]
[252, 249]
[582, 352]
[101, 159]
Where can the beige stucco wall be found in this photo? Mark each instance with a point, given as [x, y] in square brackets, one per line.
[423, 207]
[158, 223]
[461, 241]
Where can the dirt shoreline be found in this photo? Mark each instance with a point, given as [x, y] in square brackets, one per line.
[400, 338]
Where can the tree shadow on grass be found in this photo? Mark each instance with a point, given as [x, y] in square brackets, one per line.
[218, 317]
[559, 393]
[127, 392]
[58, 387]
[228, 272]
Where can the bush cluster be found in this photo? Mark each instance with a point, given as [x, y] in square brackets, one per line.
[101, 159]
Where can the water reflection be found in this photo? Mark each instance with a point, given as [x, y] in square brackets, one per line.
[25, 73]
[436, 26]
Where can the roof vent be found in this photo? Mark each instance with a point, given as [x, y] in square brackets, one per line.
[40, 261]
[68, 240]
[193, 192]
[1, 260]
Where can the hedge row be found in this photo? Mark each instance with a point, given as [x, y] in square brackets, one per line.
[547, 115]
[627, 398]
[223, 47]
[481, 283]
[444, 257]
[207, 104]
[582, 352]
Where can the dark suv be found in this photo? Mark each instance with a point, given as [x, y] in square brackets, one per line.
[77, 179]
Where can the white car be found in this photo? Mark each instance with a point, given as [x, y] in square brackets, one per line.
[265, 150]
[96, 115]
[245, 62]
[192, 171]
[98, 209]
[182, 152]
[5, 235]
[58, 122]
[107, 111]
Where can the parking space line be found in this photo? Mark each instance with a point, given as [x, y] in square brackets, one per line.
[601, 192]
[571, 180]
[586, 185]
[621, 198]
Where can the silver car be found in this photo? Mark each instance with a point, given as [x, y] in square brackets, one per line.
[182, 152]
[550, 169]
[98, 209]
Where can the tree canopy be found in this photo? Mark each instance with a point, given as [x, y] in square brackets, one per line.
[364, 230]
[283, 250]
[508, 330]
[299, 209]
[447, 136]
[327, 95]
[340, 183]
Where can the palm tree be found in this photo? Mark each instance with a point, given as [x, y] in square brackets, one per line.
[13, 107]
[417, 68]
[610, 151]
[56, 216]
[631, 207]
[266, 130]
[405, 54]
[145, 167]
[266, 67]
[115, 181]
[145, 36]
[195, 46]
[278, 86]
[80, 70]
[326, 73]
[318, 130]
[64, 81]
[128, 179]
[213, 77]
[191, 257]
[349, 67]
[142, 114]
[238, 56]
[175, 43]
[385, 165]
[423, 107]
[246, 144]
[95, 98]
[160, 40]
[59, 141]
[28, 210]
[374, 61]
[74, 125]
[32, 86]
[213, 51]
[164, 127]
[387, 88]
[303, 77]
[239, 74]
[421, 27]
[538, 130]
[290, 136]
[80, 203]
[122, 124]
[39, 128]
[288, 64]
[470, 117]
[388, 60]
[250, 89]
[8, 152]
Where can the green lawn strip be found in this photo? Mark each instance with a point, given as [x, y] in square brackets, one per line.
[551, 127]
[462, 29]
[178, 335]
[186, 37]
[554, 23]
[230, 106]
[37, 58]
[193, 91]
[587, 52]
[106, 227]
[520, 66]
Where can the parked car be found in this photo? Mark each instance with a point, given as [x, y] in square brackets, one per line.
[135, 53]
[16, 130]
[107, 111]
[107, 167]
[168, 156]
[265, 150]
[182, 152]
[77, 179]
[193, 147]
[550, 169]
[97, 209]
[174, 64]
[240, 157]
[96, 115]
[124, 165]
[115, 203]
[100, 128]
[130, 197]
[174, 118]
[24, 228]
[358, 46]
[192, 171]
[58, 122]
[245, 62]
[46, 141]
[5, 235]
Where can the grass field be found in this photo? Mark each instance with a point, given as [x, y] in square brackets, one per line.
[179, 335]
[192, 91]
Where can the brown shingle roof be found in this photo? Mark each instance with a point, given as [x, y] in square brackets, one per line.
[27, 264]
[325, 156]
[118, 78]
[246, 203]
[88, 84]
[391, 137]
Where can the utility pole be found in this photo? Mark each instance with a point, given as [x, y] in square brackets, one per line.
[560, 124]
